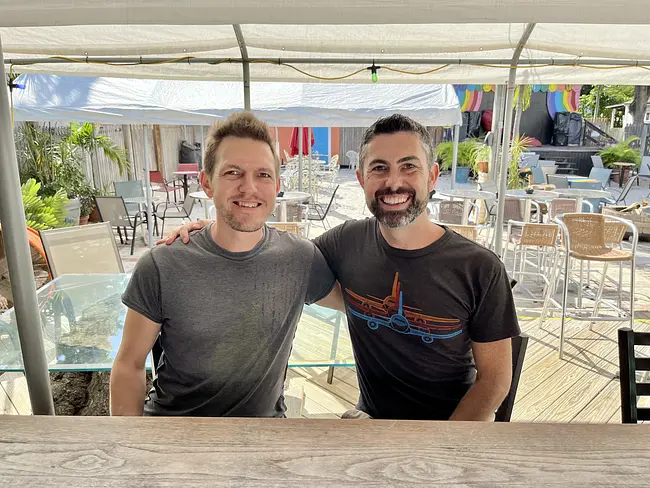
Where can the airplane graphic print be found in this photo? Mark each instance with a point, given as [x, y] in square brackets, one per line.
[393, 314]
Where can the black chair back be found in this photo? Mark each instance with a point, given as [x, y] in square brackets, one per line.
[519, 344]
[630, 364]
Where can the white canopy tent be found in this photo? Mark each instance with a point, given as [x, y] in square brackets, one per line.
[136, 101]
[471, 41]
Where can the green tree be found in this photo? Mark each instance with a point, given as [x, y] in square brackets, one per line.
[609, 95]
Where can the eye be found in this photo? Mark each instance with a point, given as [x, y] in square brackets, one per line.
[409, 166]
[232, 172]
[265, 175]
[379, 168]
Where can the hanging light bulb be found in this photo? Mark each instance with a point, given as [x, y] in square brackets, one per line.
[373, 70]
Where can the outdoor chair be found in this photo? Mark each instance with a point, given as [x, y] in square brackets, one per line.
[519, 345]
[353, 159]
[450, 212]
[584, 238]
[624, 193]
[86, 249]
[130, 189]
[559, 206]
[630, 365]
[158, 183]
[603, 175]
[113, 210]
[297, 228]
[180, 212]
[320, 213]
[526, 237]
[468, 231]
[597, 161]
[644, 170]
[558, 181]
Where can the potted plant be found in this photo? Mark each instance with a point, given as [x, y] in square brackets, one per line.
[518, 146]
[621, 152]
[466, 157]
[482, 158]
[86, 198]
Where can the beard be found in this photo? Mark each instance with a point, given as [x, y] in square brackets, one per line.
[397, 218]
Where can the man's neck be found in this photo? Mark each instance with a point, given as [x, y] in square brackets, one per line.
[417, 235]
[233, 240]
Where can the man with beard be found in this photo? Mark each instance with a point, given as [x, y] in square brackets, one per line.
[431, 314]
[224, 308]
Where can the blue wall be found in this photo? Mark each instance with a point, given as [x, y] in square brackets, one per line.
[320, 140]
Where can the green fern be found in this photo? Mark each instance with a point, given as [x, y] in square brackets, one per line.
[43, 213]
[621, 153]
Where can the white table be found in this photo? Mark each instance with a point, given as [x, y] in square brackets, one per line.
[290, 197]
[200, 195]
[579, 194]
[542, 195]
[185, 174]
[466, 196]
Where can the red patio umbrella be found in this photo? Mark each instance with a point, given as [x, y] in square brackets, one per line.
[293, 147]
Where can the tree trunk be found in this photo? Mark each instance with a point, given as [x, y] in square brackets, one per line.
[638, 106]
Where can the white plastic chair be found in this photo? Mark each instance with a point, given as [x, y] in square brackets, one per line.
[353, 158]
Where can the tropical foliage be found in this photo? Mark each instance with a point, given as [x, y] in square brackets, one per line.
[43, 212]
[467, 152]
[621, 153]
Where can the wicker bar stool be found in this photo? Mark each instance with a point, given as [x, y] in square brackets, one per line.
[450, 212]
[538, 238]
[468, 231]
[561, 206]
[584, 235]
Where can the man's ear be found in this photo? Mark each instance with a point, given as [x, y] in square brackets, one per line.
[359, 174]
[204, 178]
[434, 173]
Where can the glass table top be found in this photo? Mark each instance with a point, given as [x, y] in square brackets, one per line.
[82, 317]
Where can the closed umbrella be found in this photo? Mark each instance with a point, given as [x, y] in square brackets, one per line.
[294, 146]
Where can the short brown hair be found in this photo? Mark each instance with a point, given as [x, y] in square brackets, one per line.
[391, 125]
[243, 125]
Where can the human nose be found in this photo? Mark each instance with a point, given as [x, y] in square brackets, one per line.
[247, 184]
[394, 180]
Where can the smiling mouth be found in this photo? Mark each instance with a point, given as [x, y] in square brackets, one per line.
[395, 200]
[247, 204]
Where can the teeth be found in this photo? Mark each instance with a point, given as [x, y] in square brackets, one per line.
[395, 199]
[247, 205]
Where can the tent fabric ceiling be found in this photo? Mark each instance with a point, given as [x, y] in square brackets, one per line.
[132, 101]
[183, 12]
[363, 31]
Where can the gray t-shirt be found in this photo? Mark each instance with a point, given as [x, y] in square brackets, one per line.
[227, 321]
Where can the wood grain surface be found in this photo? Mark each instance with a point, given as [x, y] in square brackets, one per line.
[188, 452]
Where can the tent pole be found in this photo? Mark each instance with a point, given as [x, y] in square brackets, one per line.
[505, 153]
[454, 162]
[246, 67]
[147, 185]
[300, 129]
[497, 112]
[19, 263]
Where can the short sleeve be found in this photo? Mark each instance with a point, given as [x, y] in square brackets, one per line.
[495, 317]
[321, 278]
[328, 244]
[142, 294]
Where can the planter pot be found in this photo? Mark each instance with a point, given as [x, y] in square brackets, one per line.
[462, 174]
[94, 216]
[483, 167]
[83, 220]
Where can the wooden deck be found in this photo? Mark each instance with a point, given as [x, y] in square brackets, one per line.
[581, 388]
